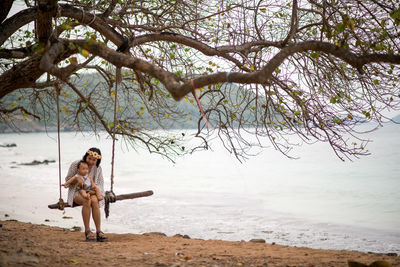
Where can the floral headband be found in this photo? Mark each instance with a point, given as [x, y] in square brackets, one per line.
[94, 154]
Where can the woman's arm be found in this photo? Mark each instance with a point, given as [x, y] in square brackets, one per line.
[71, 173]
[92, 182]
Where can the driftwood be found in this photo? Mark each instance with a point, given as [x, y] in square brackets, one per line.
[119, 197]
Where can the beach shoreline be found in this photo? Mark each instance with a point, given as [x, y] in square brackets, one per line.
[41, 245]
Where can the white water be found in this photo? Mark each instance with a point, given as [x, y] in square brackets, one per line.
[316, 201]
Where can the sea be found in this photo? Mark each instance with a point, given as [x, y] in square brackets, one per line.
[315, 201]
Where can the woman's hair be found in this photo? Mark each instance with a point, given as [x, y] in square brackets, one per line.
[94, 149]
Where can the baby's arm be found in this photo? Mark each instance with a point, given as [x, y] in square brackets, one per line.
[70, 181]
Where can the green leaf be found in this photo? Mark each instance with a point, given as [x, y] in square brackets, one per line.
[340, 27]
[314, 55]
[66, 27]
[337, 120]
[395, 14]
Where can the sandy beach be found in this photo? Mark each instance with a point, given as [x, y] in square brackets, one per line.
[26, 244]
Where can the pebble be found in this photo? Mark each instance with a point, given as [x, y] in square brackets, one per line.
[76, 228]
[29, 243]
[155, 233]
[178, 235]
[380, 264]
[257, 240]
[159, 264]
[181, 236]
[356, 264]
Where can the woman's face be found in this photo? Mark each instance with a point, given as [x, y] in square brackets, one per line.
[91, 161]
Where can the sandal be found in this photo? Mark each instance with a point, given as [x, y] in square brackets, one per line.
[89, 236]
[101, 237]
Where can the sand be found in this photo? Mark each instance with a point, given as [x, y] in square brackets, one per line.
[26, 244]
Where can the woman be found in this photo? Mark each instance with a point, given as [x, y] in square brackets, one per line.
[91, 205]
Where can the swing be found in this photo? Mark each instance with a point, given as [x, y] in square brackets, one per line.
[110, 197]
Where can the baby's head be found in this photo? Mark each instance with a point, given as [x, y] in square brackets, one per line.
[83, 168]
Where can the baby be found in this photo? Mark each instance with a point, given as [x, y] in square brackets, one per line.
[85, 183]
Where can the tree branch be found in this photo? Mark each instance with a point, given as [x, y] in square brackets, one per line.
[24, 74]
[179, 90]
[9, 26]
[12, 24]
[5, 9]
[96, 22]
[293, 24]
[110, 8]
[22, 109]
[16, 53]
[46, 11]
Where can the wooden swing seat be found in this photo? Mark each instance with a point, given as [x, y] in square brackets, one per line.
[119, 197]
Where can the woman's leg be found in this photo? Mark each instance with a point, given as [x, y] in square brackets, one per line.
[96, 212]
[96, 218]
[86, 206]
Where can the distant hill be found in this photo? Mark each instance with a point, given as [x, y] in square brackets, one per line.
[233, 96]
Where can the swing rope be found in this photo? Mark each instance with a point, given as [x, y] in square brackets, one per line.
[61, 203]
[110, 196]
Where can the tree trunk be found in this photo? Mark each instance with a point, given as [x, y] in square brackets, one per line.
[47, 10]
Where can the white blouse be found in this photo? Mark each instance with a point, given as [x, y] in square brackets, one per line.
[96, 173]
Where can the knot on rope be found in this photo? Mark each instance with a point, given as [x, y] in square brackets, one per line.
[61, 204]
[109, 198]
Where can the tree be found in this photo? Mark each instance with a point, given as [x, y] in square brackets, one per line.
[266, 69]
